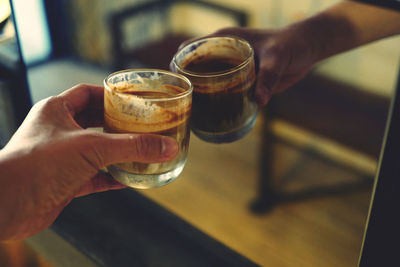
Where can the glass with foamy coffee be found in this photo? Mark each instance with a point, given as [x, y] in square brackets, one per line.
[222, 71]
[148, 101]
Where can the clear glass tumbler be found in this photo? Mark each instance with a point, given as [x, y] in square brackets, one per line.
[222, 71]
[148, 101]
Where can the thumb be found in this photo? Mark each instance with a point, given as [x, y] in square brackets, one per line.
[267, 80]
[269, 75]
[106, 149]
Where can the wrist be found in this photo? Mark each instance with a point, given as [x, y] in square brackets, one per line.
[11, 196]
[314, 34]
[5, 210]
[302, 37]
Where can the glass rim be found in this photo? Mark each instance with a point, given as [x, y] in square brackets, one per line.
[214, 74]
[165, 72]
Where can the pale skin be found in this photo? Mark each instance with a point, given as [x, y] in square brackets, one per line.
[52, 159]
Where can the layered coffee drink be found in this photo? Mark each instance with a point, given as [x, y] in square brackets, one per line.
[222, 72]
[221, 109]
[148, 104]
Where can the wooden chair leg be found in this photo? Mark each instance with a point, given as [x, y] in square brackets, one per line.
[267, 196]
[270, 192]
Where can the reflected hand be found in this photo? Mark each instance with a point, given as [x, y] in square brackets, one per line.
[282, 57]
[51, 159]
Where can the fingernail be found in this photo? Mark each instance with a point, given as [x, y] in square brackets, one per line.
[169, 147]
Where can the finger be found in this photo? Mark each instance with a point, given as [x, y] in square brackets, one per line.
[268, 77]
[287, 81]
[83, 96]
[100, 183]
[91, 117]
[263, 91]
[102, 149]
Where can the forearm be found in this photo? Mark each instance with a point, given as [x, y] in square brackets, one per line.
[13, 196]
[347, 25]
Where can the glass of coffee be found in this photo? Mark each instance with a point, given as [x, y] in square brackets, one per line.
[222, 72]
[148, 101]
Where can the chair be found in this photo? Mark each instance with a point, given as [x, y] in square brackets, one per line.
[158, 50]
[327, 108]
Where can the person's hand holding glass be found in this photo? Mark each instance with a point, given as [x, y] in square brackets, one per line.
[148, 101]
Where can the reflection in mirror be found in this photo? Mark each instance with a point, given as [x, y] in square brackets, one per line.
[34, 41]
[14, 95]
[6, 43]
[296, 190]
[34, 37]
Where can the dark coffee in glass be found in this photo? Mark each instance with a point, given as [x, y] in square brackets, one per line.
[222, 72]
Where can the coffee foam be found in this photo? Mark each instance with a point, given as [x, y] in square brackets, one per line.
[232, 83]
[131, 113]
[231, 48]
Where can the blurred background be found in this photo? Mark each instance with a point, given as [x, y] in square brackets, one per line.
[294, 192]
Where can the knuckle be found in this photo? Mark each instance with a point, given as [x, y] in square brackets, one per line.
[81, 85]
[48, 102]
[93, 148]
[146, 146]
[141, 145]
[50, 109]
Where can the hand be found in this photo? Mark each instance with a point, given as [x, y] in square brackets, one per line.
[282, 57]
[51, 159]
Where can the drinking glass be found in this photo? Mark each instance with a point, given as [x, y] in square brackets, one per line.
[148, 101]
[222, 71]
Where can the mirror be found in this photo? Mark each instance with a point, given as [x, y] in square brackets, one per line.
[14, 94]
[296, 190]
